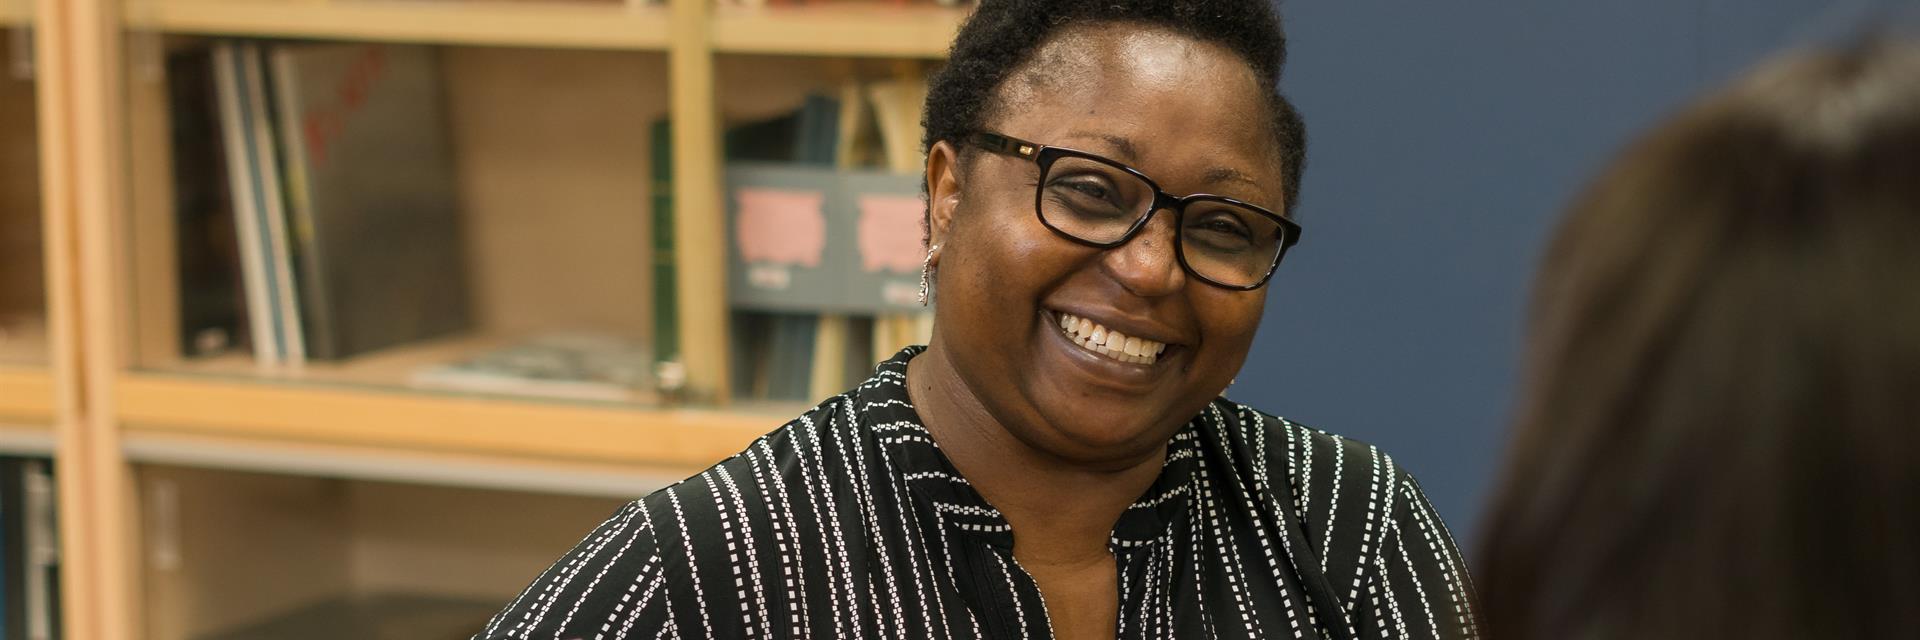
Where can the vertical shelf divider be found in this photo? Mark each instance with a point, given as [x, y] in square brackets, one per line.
[699, 220]
[99, 573]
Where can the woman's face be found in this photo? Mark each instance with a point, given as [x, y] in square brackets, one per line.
[1192, 117]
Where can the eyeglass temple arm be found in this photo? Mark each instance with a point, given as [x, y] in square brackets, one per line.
[1004, 145]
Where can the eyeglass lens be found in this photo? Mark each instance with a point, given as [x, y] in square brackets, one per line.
[1098, 203]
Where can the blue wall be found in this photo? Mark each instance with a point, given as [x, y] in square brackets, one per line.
[1444, 138]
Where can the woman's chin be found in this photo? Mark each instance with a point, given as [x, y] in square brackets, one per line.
[1103, 436]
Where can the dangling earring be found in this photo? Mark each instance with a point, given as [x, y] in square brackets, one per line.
[926, 269]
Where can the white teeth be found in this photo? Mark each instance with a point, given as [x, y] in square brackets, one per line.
[1113, 344]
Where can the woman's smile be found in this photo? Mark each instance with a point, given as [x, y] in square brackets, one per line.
[1099, 338]
[1104, 354]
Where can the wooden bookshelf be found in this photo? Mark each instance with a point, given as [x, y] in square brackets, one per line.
[837, 29]
[257, 555]
[434, 423]
[26, 395]
[564, 25]
[516, 472]
[553, 144]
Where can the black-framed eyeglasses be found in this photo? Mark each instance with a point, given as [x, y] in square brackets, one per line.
[1101, 203]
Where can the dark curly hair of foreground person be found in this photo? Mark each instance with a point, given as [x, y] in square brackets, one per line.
[1002, 36]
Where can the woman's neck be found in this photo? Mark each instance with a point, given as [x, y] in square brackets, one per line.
[1062, 513]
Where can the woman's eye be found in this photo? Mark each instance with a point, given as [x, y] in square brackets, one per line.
[1086, 188]
[1090, 190]
[1225, 225]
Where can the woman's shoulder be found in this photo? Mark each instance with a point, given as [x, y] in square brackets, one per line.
[1318, 465]
[1281, 439]
[1351, 499]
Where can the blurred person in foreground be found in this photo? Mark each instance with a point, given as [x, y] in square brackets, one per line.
[1721, 434]
[1110, 193]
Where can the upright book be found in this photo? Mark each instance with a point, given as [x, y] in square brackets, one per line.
[271, 192]
[29, 539]
[371, 186]
[212, 308]
[666, 284]
[239, 111]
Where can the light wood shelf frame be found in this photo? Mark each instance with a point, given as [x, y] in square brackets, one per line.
[911, 31]
[435, 423]
[15, 13]
[387, 464]
[26, 395]
[99, 530]
[26, 440]
[487, 22]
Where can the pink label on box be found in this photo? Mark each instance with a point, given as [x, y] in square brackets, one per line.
[890, 233]
[781, 226]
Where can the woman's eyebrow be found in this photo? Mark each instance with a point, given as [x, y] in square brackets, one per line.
[1123, 148]
[1219, 175]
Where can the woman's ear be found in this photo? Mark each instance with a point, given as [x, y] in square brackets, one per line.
[943, 191]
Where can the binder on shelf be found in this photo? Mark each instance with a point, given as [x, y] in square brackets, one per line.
[813, 239]
[831, 236]
[774, 350]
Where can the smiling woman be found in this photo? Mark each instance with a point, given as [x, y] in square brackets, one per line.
[1109, 193]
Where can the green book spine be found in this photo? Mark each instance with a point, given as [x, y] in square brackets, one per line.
[666, 288]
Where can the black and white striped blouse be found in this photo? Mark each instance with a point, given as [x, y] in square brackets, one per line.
[850, 523]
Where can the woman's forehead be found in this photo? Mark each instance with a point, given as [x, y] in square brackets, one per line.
[1150, 98]
[1115, 57]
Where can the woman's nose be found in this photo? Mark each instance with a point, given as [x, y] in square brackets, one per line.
[1148, 265]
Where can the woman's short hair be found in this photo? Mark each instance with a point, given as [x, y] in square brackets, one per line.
[1002, 35]
[1720, 432]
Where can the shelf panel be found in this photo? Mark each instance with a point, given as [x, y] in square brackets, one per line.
[15, 13]
[598, 479]
[26, 395]
[402, 421]
[838, 29]
[480, 22]
[26, 440]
